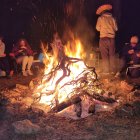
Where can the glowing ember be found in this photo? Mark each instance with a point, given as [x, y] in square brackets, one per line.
[65, 74]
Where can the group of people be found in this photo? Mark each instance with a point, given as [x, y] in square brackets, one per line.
[107, 26]
[20, 54]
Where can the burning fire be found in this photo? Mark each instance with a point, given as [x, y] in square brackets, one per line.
[63, 71]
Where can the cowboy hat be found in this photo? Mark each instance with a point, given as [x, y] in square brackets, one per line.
[103, 8]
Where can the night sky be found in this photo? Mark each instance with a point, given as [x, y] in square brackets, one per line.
[20, 18]
[130, 17]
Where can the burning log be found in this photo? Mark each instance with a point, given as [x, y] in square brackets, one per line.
[101, 98]
[66, 81]
[76, 100]
[65, 104]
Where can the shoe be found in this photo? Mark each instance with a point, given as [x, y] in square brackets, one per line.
[29, 72]
[24, 73]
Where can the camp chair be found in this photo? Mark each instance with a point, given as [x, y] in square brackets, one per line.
[132, 67]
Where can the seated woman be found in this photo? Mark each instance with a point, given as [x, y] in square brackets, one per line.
[23, 54]
[131, 56]
[4, 64]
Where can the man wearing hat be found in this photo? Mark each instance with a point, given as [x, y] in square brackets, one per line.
[107, 27]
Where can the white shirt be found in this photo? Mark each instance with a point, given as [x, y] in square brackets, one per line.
[106, 25]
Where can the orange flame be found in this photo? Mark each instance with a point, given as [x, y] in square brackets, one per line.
[72, 50]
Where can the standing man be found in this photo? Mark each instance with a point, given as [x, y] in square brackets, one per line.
[107, 27]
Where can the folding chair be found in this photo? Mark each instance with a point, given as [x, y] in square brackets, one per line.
[132, 67]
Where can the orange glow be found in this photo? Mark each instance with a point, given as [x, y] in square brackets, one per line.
[50, 88]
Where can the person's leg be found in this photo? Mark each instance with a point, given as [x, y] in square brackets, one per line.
[5, 65]
[25, 61]
[12, 62]
[112, 65]
[103, 45]
[30, 62]
[1, 64]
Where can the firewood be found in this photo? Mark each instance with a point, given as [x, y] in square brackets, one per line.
[67, 103]
[101, 98]
[76, 100]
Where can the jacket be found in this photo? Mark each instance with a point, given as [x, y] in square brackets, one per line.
[27, 52]
[106, 25]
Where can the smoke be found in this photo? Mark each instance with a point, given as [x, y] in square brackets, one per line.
[85, 32]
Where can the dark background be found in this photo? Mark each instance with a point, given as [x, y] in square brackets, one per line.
[36, 20]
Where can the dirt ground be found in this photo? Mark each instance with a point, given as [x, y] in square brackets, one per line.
[16, 79]
[100, 126]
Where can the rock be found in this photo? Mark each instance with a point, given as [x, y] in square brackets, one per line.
[25, 127]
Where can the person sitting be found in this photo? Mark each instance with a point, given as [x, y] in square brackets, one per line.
[4, 64]
[39, 62]
[23, 54]
[131, 56]
[57, 46]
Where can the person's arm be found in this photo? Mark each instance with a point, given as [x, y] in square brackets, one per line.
[29, 51]
[2, 50]
[98, 25]
[15, 52]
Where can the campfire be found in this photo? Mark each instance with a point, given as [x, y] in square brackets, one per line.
[70, 87]
[68, 80]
